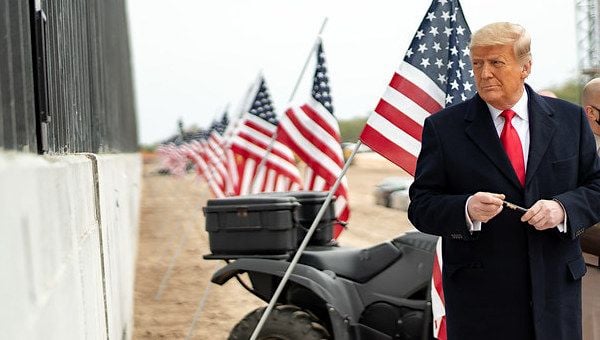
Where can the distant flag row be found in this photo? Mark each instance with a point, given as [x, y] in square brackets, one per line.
[257, 153]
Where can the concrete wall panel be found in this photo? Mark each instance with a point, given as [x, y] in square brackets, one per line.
[58, 244]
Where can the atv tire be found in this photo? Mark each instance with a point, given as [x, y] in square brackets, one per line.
[286, 322]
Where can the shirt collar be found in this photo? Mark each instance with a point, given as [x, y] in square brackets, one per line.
[520, 108]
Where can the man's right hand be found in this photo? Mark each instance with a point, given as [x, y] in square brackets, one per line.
[483, 206]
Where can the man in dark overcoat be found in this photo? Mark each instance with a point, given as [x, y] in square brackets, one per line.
[508, 274]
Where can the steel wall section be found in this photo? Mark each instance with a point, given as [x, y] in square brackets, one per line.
[17, 114]
[90, 87]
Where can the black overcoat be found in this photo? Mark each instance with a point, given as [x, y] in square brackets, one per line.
[508, 281]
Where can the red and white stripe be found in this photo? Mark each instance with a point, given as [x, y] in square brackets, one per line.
[437, 295]
[250, 143]
[171, 158]
[312, 132]
[217, 175]
[217, 165]
[225, 158]
[191, 151]
[208, 169]
[234, 161]
[394, 129]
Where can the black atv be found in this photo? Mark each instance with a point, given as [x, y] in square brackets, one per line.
[334, 292]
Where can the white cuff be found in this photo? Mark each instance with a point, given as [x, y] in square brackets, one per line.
[473, 225]
[562, 227]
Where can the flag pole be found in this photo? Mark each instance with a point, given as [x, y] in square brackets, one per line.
[227, 107]
[317, 40]
[304, 243]
[242, 107]
[263, 160]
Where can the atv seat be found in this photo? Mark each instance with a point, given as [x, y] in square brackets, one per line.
[358, 265]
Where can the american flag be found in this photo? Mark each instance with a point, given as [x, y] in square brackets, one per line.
[437, 295]
[172, 158]
[206, 162]
[250, 143]
[232, 168]
[193, 151]
[312, 132]
[223, 156]
[436, 72]
[215, 165]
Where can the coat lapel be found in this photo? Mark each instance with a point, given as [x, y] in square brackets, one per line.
[541, 130]
[481, 130]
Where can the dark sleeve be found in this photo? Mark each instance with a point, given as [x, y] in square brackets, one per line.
[582, 204]
[432, 209]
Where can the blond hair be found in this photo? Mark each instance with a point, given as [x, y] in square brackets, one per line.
[504, 33]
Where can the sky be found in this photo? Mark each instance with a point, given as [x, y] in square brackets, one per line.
[193, 59]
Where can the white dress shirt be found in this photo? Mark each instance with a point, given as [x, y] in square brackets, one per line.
[521, 124]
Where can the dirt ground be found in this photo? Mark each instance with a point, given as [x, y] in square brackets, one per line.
[172, 231]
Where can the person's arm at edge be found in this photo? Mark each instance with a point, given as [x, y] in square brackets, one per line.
[582, 204]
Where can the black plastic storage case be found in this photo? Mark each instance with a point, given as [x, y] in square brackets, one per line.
[251, 225]
[310, 204]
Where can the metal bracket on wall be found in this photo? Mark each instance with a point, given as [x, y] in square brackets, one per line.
[39, 32]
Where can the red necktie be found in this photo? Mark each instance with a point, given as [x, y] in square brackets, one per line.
[512, 145]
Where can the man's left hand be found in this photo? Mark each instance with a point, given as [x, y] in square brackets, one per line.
[544, 214]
